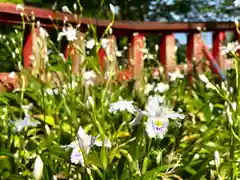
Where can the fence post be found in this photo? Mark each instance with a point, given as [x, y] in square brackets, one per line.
[28, 49]
[167, 53]
[35, 51]
[218, 38]
[76, 50]
[136, 55]
[107, 56]
[194, 53]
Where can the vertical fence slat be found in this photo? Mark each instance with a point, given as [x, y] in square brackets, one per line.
[167, 53]
[136, 46]
[102, 59]
[28, 49]
[79, 53]
[76, 51]
[218, 39]
[110, 48]
[137, 54]
[194, 53]
[107, 58]
[35, 52]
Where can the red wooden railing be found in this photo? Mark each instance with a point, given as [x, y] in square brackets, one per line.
[136, 31]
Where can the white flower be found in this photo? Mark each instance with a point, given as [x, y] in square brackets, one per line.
[77, 156]
[49, 91]
[156, 108]
[157, 127]
[119, 53]
[20, 7]
[13, 55]
[66, 10]
[104, 43]
[148, 88]
[89, 78]
[90, 102]
[203, 78]
[107, 143]
[234, 106]
[26, 108]
[69, 32]
[137, 119]
[43, 33]
[217, 158]
[112, 8]
[161, 87]
[231, 47]
[211, 106]
[38, 168]
[75, 6]
[236, 3]
[26, 122]
[153, 104]
[175, 75]
[12, 75]
[83, 144]
[122, 105]
[90, 43]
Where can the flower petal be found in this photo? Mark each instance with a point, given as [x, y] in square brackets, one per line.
[77, 156]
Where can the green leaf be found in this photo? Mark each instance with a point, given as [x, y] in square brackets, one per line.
[152, 174]
[48, 119]
[104, 158]
[145, 165]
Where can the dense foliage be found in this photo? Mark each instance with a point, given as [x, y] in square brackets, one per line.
[90, 126]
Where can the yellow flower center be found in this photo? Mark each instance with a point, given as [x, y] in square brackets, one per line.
[158, 123]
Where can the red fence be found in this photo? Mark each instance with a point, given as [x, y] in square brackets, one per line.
[135, 31]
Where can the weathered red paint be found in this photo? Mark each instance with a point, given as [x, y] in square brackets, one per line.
[218, 38]
[194, 53]
[136, 54]
[8, 83]
[125, 75]
[101, 59]
[9, 14]
[167, 53]
[28, 49]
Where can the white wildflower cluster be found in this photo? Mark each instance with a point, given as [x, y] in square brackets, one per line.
[231, 47]
[122, 105]
[69, 32]
[157, 112]
[66, 10]
[175, 75]
[157, 88]
[82, 145]
[204, 79]
[161, 87]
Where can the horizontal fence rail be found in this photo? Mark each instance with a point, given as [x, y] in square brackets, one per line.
[136, 33]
